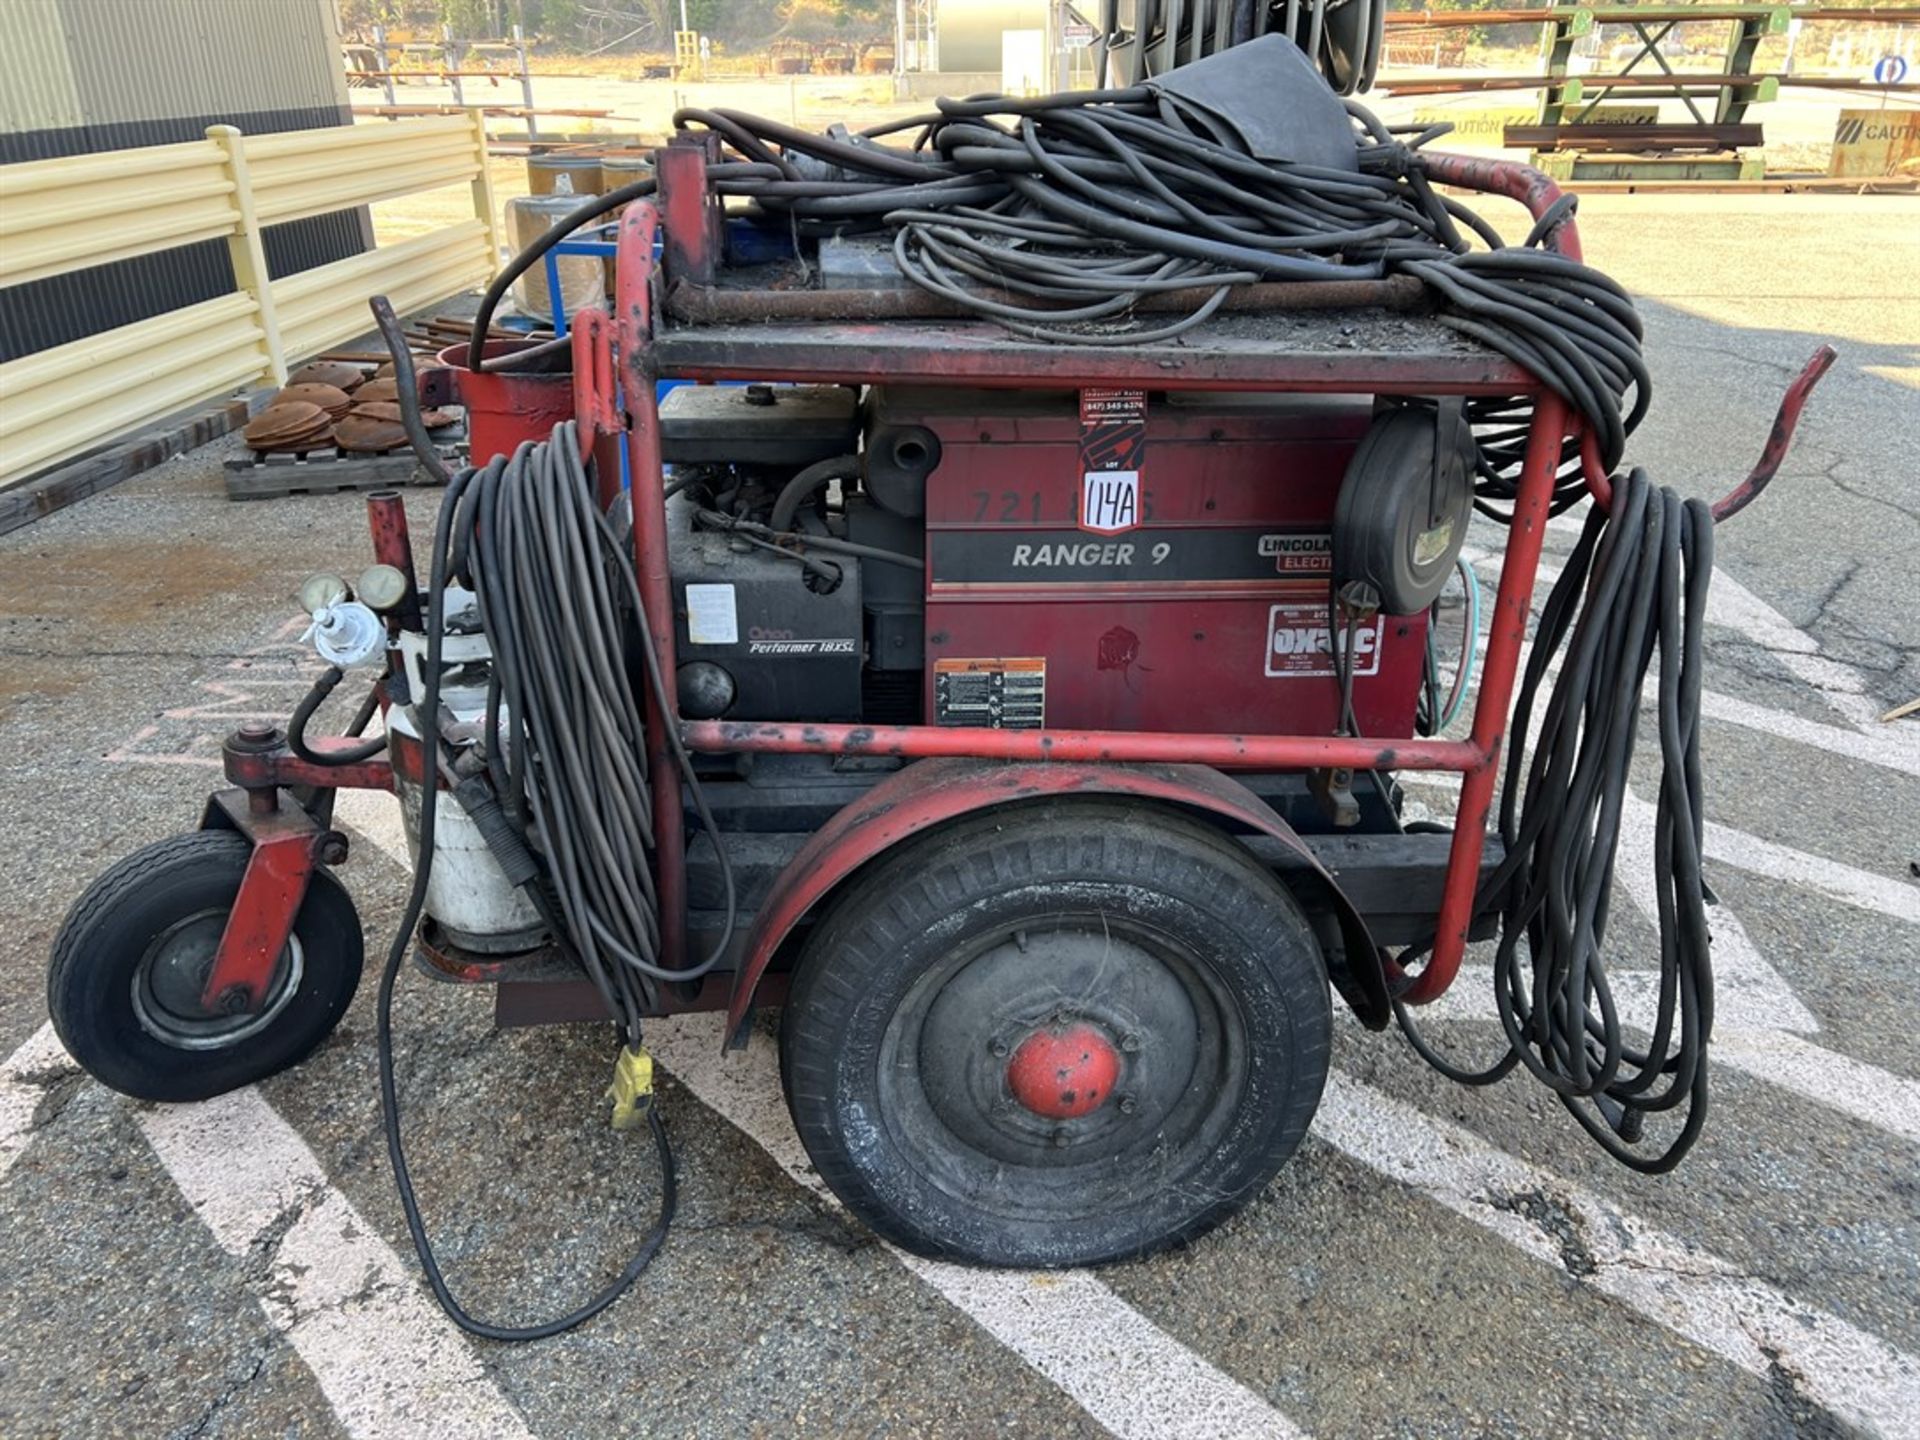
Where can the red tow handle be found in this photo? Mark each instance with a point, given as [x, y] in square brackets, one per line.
[594, 403]
[1779, 441]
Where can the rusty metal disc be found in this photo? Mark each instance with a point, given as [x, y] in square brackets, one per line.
[330, 398]
[337, 373]
[387, 389]
[364, 433]
[296, 425]
[379, 410]
[421, 362]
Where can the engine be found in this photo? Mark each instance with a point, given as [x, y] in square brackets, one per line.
[1017, 559]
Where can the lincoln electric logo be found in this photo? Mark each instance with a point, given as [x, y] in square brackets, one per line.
[1110, 501]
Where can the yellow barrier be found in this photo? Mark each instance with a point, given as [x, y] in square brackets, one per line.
[59, 402]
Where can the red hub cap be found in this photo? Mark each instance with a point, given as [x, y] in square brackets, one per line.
[1064, 1074]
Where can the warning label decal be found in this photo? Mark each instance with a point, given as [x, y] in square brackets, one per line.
[996, 693]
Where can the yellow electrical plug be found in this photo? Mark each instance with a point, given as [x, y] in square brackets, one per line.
[632, 1089]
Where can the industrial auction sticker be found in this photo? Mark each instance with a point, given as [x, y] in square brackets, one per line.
[1113, 447]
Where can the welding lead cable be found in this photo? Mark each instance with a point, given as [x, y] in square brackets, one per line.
[1634, 586]
[536, 250]
[558, 594]
[454, 546]
[396, 956]
[1057, 198]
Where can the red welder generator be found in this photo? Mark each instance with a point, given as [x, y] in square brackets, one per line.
[1019, 706]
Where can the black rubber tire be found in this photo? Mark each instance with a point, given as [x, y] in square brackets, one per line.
[102, 943]
[918, 918]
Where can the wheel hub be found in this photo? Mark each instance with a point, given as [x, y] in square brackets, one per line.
[1065, 1073]
[170, 978]
[1075, 1041]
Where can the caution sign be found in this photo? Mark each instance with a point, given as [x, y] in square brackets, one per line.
[1486, 129]
[1479, 129]
[1873, 144]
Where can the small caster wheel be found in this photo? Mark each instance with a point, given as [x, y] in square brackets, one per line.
[133, 955]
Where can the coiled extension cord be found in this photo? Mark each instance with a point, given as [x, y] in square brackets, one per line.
[1635, 587]
[558, 596]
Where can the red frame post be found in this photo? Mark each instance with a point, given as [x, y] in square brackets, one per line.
[1506, 633]
[633, 336]
[692, 250]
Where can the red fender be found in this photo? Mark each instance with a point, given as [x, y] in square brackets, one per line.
[930, 792]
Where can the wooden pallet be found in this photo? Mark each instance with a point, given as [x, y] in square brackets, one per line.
[255, 476]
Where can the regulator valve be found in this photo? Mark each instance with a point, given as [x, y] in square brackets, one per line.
[347, 633]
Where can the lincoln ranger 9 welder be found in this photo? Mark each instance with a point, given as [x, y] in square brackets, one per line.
[1013, 679]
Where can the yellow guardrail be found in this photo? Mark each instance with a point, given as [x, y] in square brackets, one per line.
[80, 211]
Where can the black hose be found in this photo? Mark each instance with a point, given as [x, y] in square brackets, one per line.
[533, 253]
[796, 490]
[396, 956]
[1081, 203]
[312, 701]
[1634, 587]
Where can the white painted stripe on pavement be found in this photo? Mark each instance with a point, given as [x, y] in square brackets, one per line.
[1117, 1365]
[1744, 1039]
[1742, 850]
[1731, 604]
[1891, 747]
[1856, 1089]
[1862, 889]
[23, 1084]
[1678, 1286]
[391, 1365]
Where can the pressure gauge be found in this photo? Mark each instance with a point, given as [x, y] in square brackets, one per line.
[317, 592]
[381, 587]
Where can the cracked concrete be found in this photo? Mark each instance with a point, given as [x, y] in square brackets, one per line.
[1558, 1222]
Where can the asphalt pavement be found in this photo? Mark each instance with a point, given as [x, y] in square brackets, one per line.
[1434, 1262]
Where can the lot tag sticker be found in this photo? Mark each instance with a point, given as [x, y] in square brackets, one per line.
[1113, 444]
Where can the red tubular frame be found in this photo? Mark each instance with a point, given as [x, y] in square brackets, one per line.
[1779, 440]
[1516, 182]
[616, 365]
[633, 337]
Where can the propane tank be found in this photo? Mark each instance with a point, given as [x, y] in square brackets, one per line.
[469, 895]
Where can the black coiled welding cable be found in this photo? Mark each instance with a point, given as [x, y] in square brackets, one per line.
[1634, 587]
[558, 594]
[396, 955]
[1055, 216]
[452, 556]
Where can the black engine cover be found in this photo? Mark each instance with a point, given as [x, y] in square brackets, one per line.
[791, 654]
